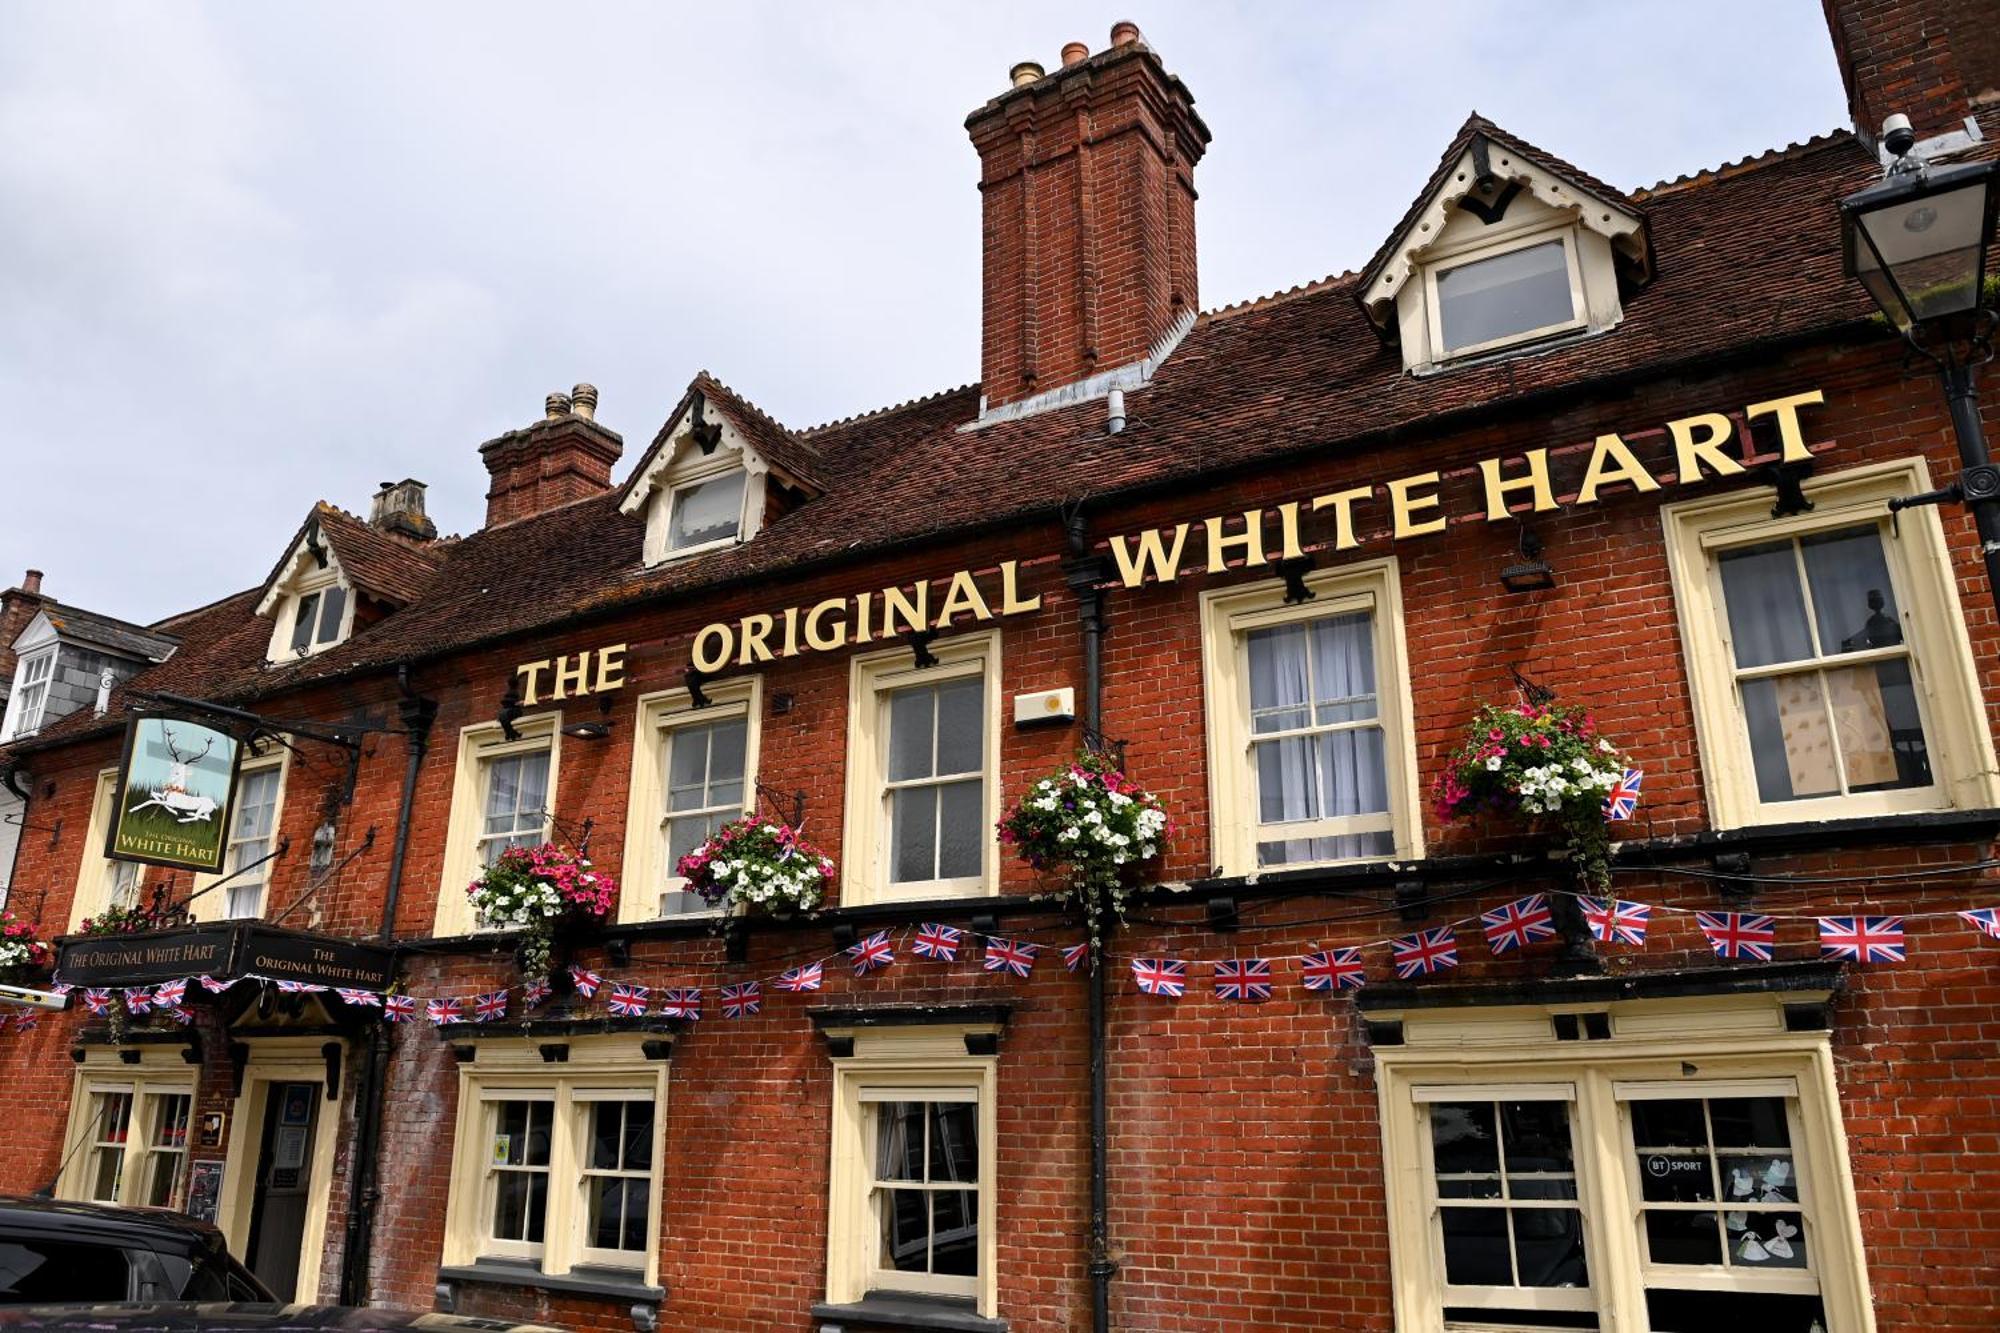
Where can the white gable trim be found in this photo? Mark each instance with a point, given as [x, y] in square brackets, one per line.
[302, 572]
[679, 458]
[39, 633]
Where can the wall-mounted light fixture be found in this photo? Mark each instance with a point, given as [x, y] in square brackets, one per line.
[1530, 573]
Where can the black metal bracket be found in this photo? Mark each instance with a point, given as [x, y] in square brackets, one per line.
[1493, 212]
[465, 1054]
[694, 678]
[735, 940]
[618, 951]
[1531, 691]
[657, 1049]
[843, 935]
[1293, 572]
[1383, 1031]
[919, 643]
[554, 1052]
[840, 1048]
[315, 545]
[705, 433]
[1097, 742]
[981, 1043]
[1727, 866]
[1222, 913]
[331, 1052]
[797, 799]
[510, 712]
[1788, 480]
[1410, 904]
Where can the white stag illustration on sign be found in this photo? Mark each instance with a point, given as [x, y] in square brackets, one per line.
[173, 795]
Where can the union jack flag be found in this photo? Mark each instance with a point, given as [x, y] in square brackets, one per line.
[366, 999]
[299, 987]
[399, 1008]
[169, 993]
[444, 1010]
[180, 1013]
[1243, 979]
[1986, 918]
[534, 992]
[25, 1021]
[1425, 952]
[489, 1007]
[681, 1002]
[1615, 921]
[937, 943]
[1622, 801]
[1518, 923]
[99, 1000]
[62, 988]
[1161, 976]
[1862, 939]
[872, 953]
[1334, 969]
[1076, 955]
[805, 977]
[1016, 956]
[742, 1000]
[1739, 934]
[585, 981]
[214, 987]
[139, 1001]
[628, 1001]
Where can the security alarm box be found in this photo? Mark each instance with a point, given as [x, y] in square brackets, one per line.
[1045, 706]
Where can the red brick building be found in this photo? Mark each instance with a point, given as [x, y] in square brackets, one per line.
[1258, 553]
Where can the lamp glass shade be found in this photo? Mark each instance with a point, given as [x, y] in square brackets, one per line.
[1919, 245]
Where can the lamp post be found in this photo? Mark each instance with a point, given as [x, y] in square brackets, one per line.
[1917, 241]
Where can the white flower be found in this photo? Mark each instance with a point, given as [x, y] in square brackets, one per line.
[1493, 763]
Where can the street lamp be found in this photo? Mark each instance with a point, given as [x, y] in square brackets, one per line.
[1917, 241]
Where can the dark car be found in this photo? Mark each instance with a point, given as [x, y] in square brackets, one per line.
[52, 1251]
[189, 1317]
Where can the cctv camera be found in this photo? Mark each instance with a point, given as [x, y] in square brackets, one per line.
[1897, 136]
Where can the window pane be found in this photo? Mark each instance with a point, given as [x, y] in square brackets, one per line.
[331, 607]
[1475, 1247]
[503, 792]
[905, 1230]
[1462, 1138]
[638, 1143]
[1767, 613]
[725, 759]
[1767, 1240]
[617, 1213]
[1343, 653]
[959, 747]
[1278, 679]
[534, 789]
[1762, 1178]
[1674, 1311]
[707, 512]
[1510, 293]
[1749, 1122]
[962, 831]
[1301, 851]
[1791, 741]
[899, 1140]
[1353, 774]
[1669, 1124]
[685, 833]
[1537, 1139]
[954, 1151]
[1881, 736]
[1287, 787]
[606, 1133]
[1852, 598]
[955, 1233]
[687, 768]
[1683, 1238]
[1548, 1247]
[910, 717]
[256, 800]
[913, 813]
[1676, 1177]
[35, 1270]
[302, 622]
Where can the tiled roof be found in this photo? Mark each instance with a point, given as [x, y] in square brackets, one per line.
[1742, 257]
[785, 449]
[388, 568]
[117, 636]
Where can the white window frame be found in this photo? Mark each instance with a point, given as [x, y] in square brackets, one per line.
[18, 721]
[211, 904]
[696, 470]
[600, 1068]
[657, 717]
[873, 678]
[1228, 615]
[159, 1074]
[296, 590]
[1956, 734]
[1733, 1045]
[100, 880]
[915, 1063]
[477, 744]
[1446, 258]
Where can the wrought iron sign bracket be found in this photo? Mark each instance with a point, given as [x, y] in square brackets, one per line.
[776, 798]
[1788, 480]
[270, 728]
[1293, 572]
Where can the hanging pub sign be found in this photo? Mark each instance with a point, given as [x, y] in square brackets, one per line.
[176, 787]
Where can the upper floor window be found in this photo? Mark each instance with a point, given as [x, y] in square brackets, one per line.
[316, 619]
[706, 513]
[102, 882]
[693, 771]
[311, 613]
[1827, 658]
[252, 829]
[1517, 293]
[502, 796]
[30, 697]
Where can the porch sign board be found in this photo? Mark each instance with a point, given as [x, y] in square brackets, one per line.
[175, 789]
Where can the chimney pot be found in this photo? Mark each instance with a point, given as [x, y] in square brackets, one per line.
[1124, 33]
[31, 583]
[1025, 73]
[398, 507]
[557, 404]
[583, 398]
[1075, 53]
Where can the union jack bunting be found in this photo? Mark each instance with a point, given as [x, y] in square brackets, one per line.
[628, 1001]
[805, 977]
[169, 993]
[1615, 921]
[1739, 934]
[1334, 969]
[299, 987]
[742, 1000]
[62, 988]
[1519, 922]
[1161, 976]
[681, 1002]
[534, 992]
[1985, 918]
[937, 943]
[1016, 956]
[366, 999]
[872, 953]
[214, 987]
[399, 1008]
[1243, 979]
[1622, 801]
[1076, 955]
[1862, 939]
[99, 1000]
[139, 1001]
[585, 981]
[489, 1007]
[444, 1010]
[1425, 952]
[25, 1021]
[180, 1013]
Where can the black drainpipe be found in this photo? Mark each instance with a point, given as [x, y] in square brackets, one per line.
[416, 714]
[1086, 574]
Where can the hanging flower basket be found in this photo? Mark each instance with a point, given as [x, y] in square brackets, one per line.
[123, 921]
[761, 863]
[537, 890]
[1544, 766]
[1095, 824]
[20, 949]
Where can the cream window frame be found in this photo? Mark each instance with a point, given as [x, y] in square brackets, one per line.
[918, 1061]
[1227, 615]
[600, 1068]
[160, 1074]
[1956, 732]
[656, 717]
[1733, 1043]
[100, 880]
[1443, 259]
[476, 745]
[18, 723]
[208, 903]
[695, 470]
[865, 867]
[297, 589]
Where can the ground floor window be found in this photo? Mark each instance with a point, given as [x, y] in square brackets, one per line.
[128, 1135]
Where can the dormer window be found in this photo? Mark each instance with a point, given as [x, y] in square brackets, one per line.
[1523, 291]
[30, 697]
[706, 513]
[320, 615]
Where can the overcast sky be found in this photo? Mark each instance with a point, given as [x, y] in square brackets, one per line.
[255, 255]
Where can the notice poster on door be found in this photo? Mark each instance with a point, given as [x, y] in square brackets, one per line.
[204, 1190]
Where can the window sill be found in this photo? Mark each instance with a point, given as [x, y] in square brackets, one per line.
[885, 1310]
[609, 1283]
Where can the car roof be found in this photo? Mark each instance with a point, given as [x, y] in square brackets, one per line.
[65, 1217]
[190, 1317]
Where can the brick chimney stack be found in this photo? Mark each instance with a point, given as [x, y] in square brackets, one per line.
[17, 607]
[1087, 187]
[565, 457]
[1933, 60]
